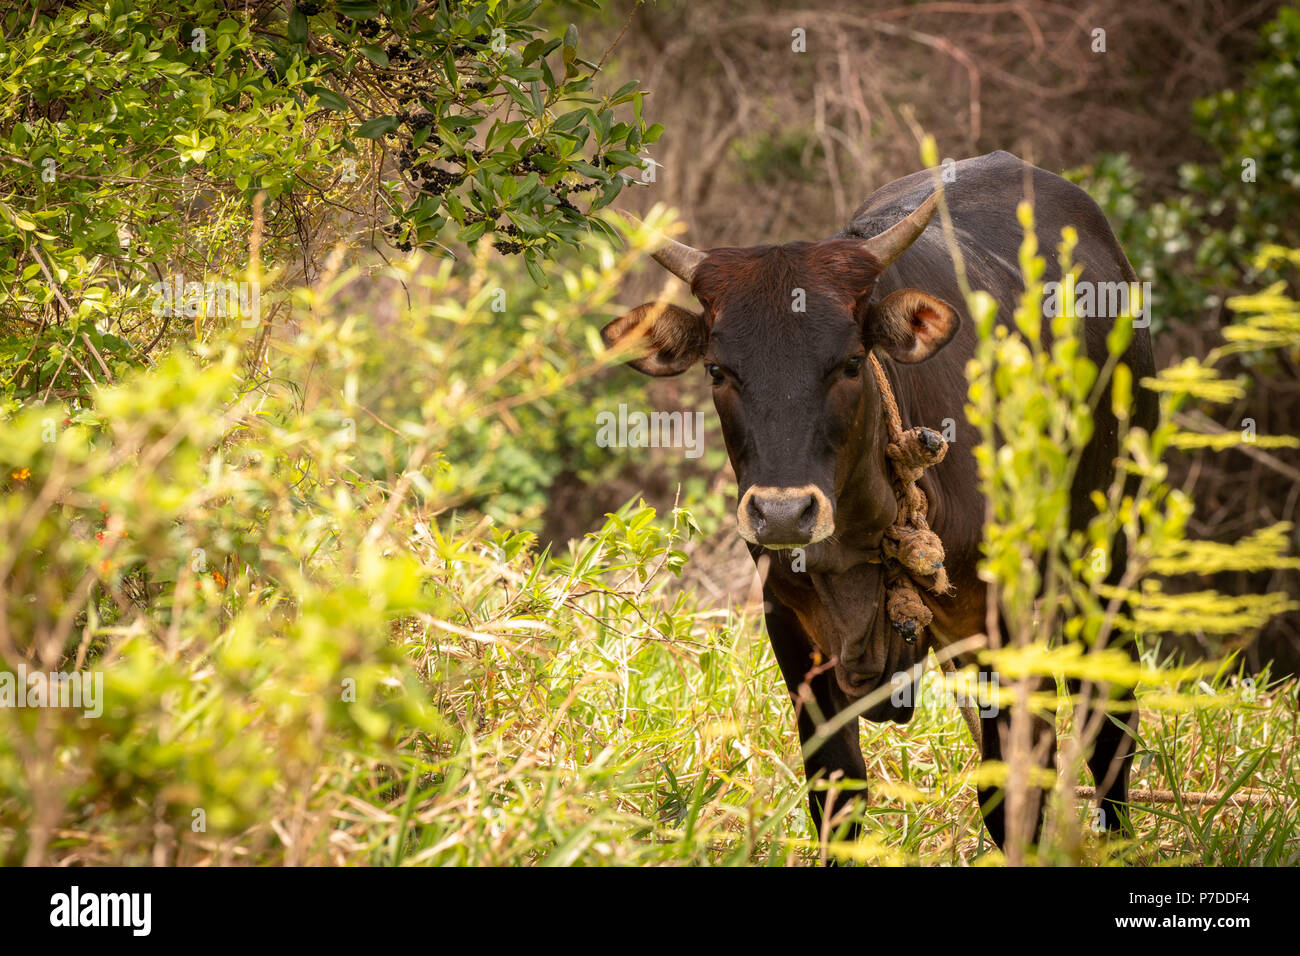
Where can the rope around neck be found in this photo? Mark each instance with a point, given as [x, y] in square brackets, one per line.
[913, 553]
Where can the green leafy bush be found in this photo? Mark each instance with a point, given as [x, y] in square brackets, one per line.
[262, 569]
[1197, 243]
[139, 142]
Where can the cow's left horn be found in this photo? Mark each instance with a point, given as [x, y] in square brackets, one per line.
[679, 259]
[893, 242]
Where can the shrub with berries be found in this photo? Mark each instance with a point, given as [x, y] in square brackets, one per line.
[473, 108]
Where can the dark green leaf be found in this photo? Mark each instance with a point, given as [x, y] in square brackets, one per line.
[326, 97]
[297, 27]
[375, 54]
[377, 127]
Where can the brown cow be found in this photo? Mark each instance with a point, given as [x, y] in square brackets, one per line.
[803, 423]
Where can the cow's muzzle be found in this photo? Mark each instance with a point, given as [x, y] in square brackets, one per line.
[785, 517]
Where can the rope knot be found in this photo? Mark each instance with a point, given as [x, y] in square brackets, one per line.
[907, 612]
[921, 552]
[916, 450]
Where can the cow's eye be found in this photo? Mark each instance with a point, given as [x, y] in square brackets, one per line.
[715, 373]
[853, 367]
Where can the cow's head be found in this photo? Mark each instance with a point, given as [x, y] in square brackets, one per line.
[784, 334]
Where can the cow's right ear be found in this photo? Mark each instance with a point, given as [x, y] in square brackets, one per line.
[666, 339]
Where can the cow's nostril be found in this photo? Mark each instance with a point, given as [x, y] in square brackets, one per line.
[808, 517]
[756, 516]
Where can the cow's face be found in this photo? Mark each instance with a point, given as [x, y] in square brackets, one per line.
[784, 336]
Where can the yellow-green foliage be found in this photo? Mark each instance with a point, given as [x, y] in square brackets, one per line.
[1038, 400]
[261, 557]
[1034, 403]
[312, 653]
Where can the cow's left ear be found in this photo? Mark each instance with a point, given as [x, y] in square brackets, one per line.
[911, 325]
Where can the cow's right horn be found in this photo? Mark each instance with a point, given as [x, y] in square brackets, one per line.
[679, 259]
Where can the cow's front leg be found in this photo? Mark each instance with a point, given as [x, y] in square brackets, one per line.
[840, 756]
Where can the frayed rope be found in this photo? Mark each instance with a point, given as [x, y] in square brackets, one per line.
[917, 553]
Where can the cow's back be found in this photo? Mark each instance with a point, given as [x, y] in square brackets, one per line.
[982, 196]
